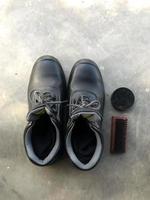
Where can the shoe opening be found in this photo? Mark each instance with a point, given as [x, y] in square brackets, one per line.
[83, 140]
[42, 140]
[43, 136]
[83, 144]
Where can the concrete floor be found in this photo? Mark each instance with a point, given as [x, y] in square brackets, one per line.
[116, 35]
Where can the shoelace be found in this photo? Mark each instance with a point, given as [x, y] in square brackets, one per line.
[94, 105]
[47, 99]
[84, 102]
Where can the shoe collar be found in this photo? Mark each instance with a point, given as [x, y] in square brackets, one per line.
[92, 118]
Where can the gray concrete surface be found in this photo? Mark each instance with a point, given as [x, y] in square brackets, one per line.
[116, 35]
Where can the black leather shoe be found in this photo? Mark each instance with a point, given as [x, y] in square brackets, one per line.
[84, 140]
[46, 95]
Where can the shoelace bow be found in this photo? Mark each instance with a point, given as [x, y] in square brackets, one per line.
[47, 99]
[84, 102]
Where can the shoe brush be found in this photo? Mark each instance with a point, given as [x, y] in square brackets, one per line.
[118, 135]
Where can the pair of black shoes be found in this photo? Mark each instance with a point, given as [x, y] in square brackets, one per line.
[59, 116]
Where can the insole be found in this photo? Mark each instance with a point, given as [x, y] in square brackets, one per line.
[43, 136]
[83, 140]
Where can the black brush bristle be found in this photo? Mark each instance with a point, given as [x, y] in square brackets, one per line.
[118, 135]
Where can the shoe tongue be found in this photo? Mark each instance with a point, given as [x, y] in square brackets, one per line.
[36, 113]
[91, 117]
